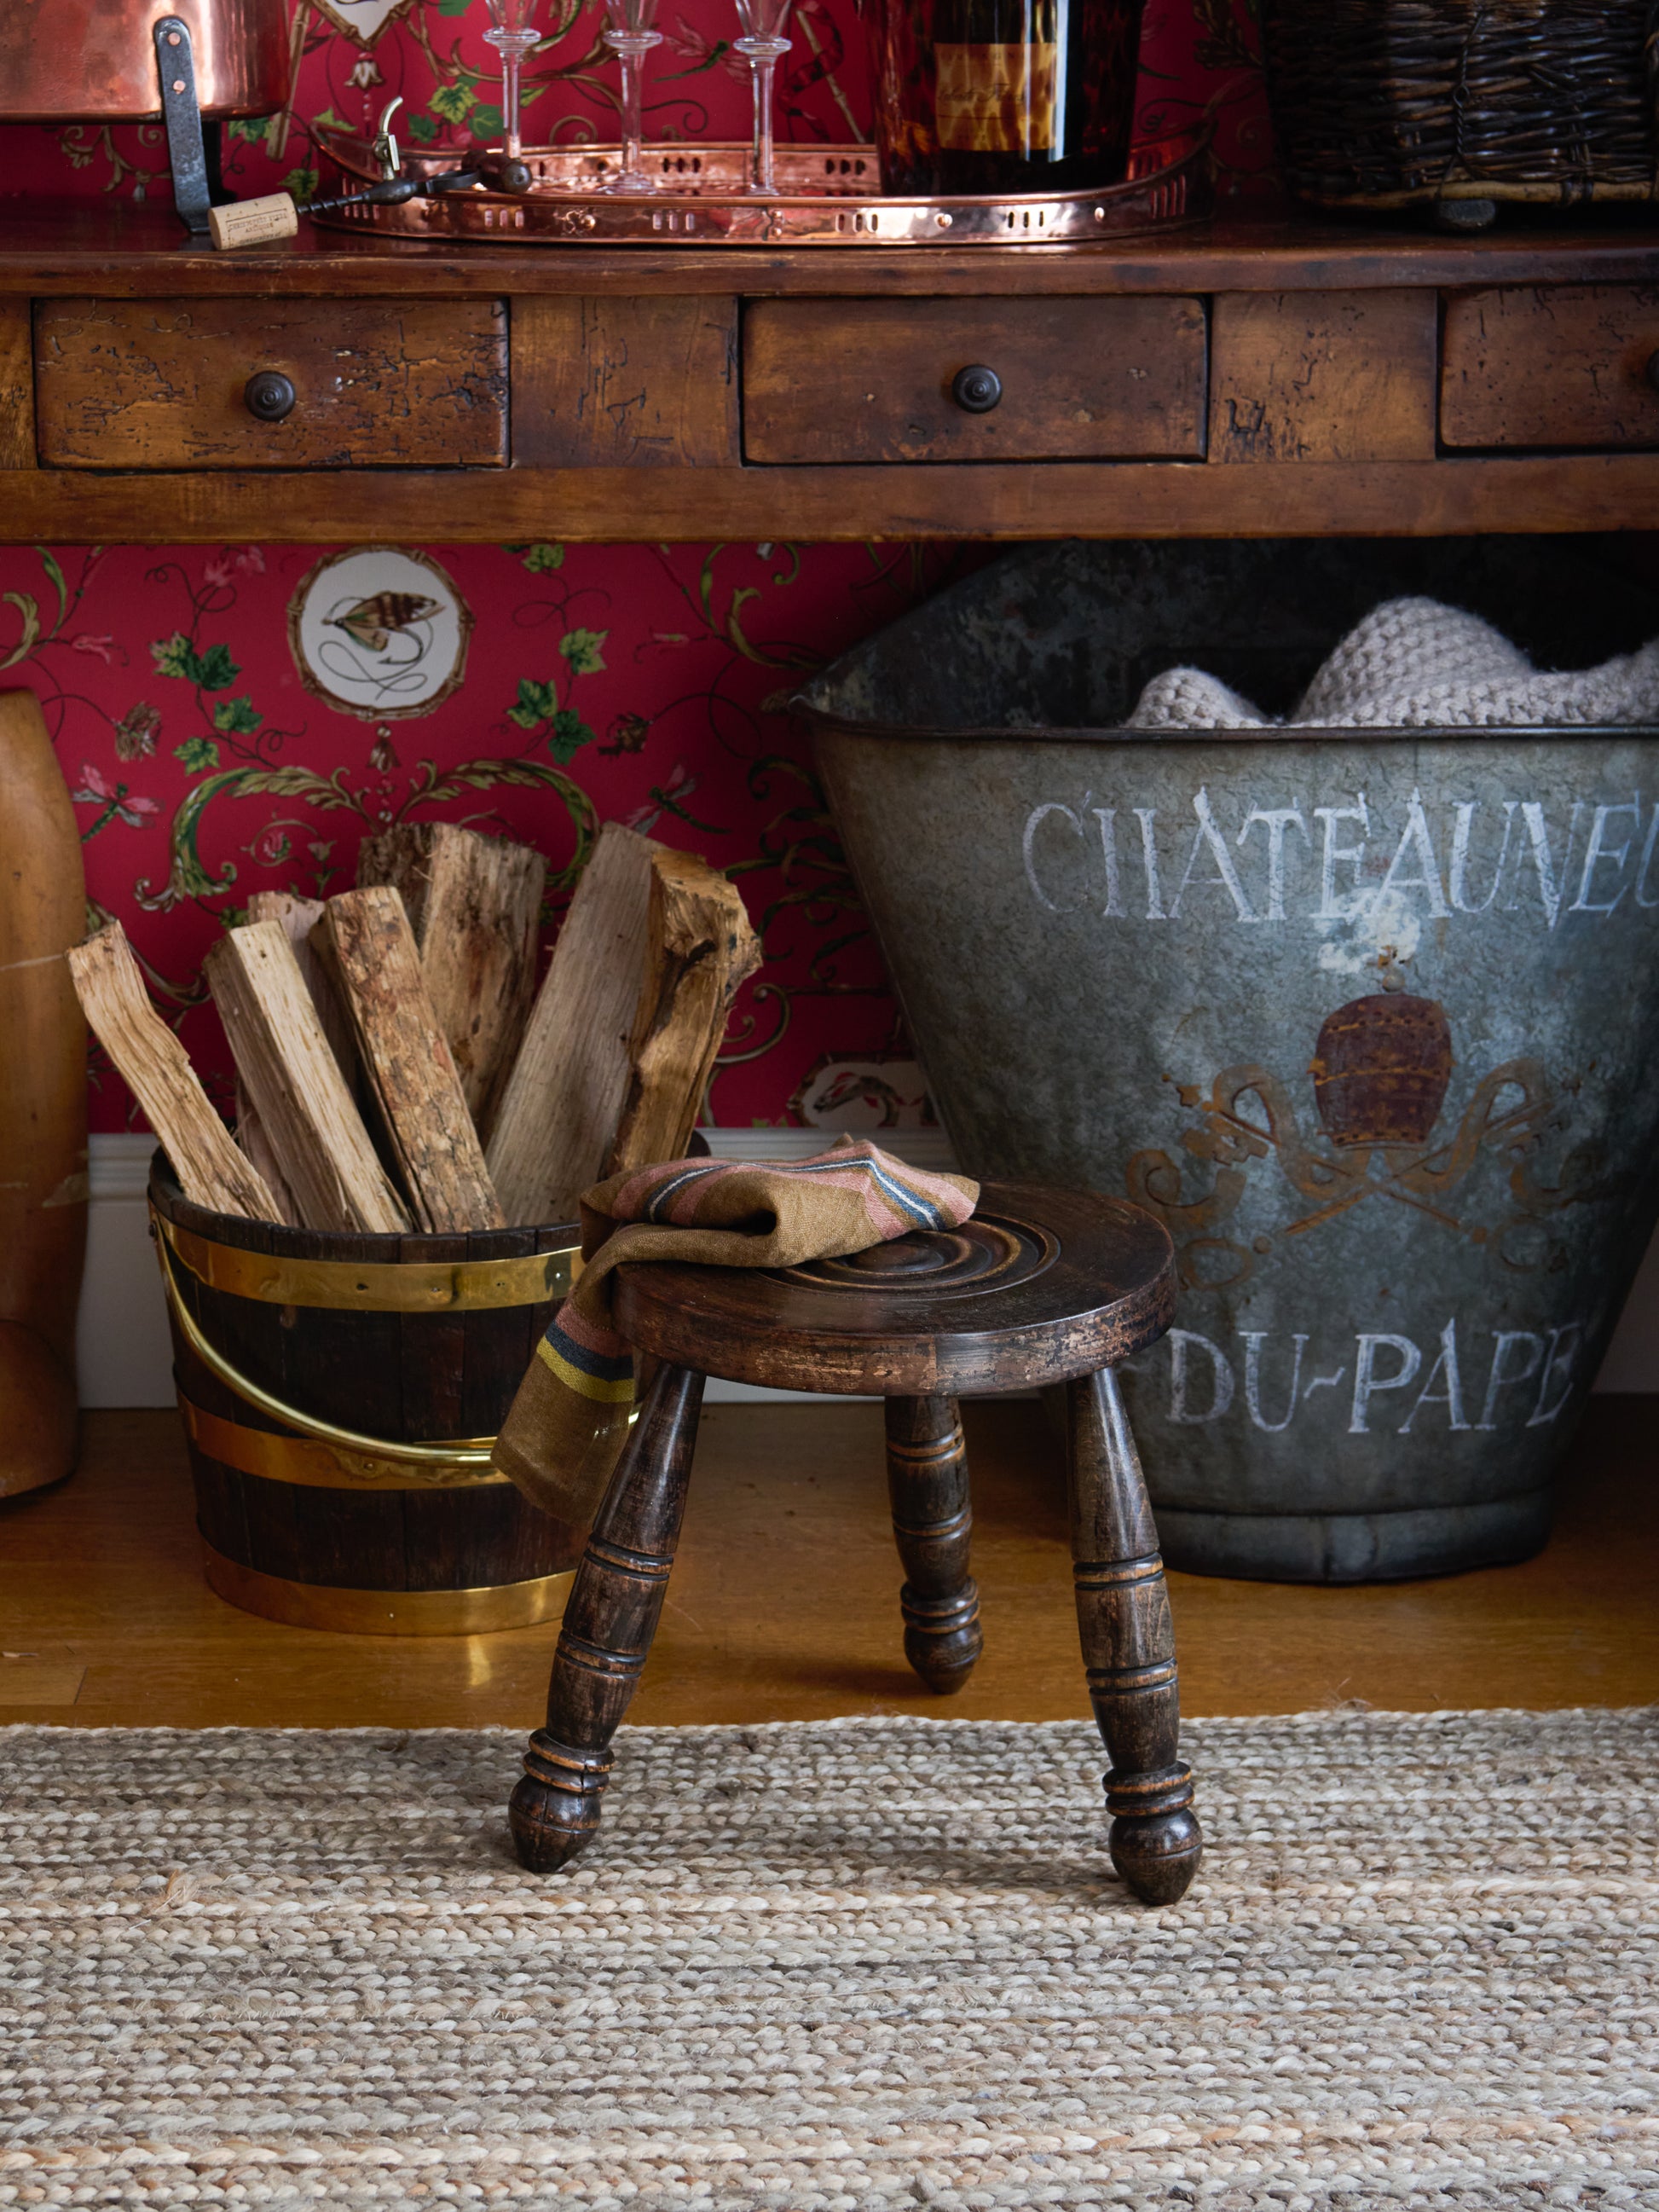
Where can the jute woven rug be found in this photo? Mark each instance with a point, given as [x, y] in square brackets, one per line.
[867, 1964]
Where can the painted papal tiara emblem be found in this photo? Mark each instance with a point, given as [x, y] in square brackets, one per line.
[1379, 1074]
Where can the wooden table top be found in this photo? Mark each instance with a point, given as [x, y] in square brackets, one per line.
[1243, 377]
[122, 249]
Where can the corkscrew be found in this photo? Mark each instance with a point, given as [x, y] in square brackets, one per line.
[394, 188]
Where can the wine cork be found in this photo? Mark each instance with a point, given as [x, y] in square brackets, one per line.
[254, 222]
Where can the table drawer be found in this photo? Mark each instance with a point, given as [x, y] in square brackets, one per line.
[170, 383]
[872, 380]
[1571, 365]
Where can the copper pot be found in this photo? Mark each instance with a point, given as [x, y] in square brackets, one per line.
[61, 60]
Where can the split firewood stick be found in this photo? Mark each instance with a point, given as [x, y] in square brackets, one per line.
[299, 917]
[564, 1098]
[474, 903]
[254, 1144]
[152, 1064]
[700, 947]
[410, 1069]
[305, 1112]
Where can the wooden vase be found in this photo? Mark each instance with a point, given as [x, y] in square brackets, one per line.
[43, 1104]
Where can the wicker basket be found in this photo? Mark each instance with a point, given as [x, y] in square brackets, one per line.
[1397, 103]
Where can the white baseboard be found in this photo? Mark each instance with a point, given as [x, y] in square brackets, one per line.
[125, 1359]
[122, 1350]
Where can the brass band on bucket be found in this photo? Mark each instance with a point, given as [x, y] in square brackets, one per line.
[321, 1455]
[450, 1453]
[477, 1611]
[318, 1466]
[372, 1285]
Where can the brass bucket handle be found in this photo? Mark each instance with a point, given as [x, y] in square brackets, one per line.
[464, 1452]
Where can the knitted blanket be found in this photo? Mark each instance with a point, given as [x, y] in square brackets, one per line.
[1415, 664]
[566, 1424]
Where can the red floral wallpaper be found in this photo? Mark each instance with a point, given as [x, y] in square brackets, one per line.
[237, 718]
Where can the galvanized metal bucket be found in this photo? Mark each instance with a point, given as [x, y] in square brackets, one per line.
[1369, 1019]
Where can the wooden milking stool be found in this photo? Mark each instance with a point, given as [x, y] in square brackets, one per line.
[1039, 1286]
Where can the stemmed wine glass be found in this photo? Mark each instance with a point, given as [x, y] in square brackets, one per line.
[631, 38]
[763, 46]
[512, 37]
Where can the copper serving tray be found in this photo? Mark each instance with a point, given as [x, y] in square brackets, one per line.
[830, 196]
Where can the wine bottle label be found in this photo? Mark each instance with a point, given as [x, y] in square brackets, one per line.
[997, 99]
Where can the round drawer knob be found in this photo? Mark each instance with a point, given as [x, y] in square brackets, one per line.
[977, 390]
[269, 396]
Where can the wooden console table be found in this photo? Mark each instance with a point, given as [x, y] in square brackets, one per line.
[1234, 380]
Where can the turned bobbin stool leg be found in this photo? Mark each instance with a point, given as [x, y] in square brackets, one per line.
[928, 1485]
[609, 1623]
[1128, 1645]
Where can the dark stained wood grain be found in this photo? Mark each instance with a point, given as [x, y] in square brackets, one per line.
[237, 1326]
[350, 1368]
[1567, 366]
[932, 1522]
[990, 500]
[1322, 376]
[870, 380]
[346, 1539]
[131, 259]
[248, 1522]
[625, 383]
[1128, 1645]
[1087, 1255]
[379, 384]
[344, 1368]
[125, 250]
[410, 1378]
[495, 1345]
[431, 1353]
[608, 1626]
[221, 1514]
[277, 1545]
[16, 384]
[1094, 1284]
[476, 1539]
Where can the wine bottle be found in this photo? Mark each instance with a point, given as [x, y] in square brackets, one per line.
[1004, 95]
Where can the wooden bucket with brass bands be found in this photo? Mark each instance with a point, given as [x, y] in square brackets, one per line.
[340, 1395]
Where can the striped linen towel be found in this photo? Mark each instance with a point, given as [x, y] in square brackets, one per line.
[566, 1426]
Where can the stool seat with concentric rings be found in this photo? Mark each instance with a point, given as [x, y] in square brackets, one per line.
[1039, 1286]
[1038, 1280]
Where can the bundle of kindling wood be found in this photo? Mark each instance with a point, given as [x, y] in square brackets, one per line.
[397, 1068]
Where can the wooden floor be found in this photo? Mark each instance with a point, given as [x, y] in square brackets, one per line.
[784, 1604]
